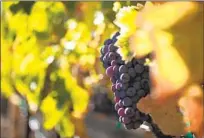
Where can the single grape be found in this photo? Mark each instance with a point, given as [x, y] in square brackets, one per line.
[129, 112]
[129, 126]
[117, 94]
[120, 103]
[125, 86]
[131, 72]
[117, 106]
[109, 71]
[136, 116]
[131, 91]
[141, 93]
[113, 63]
[139, 68]
[121, 112]
[122, 94]
[112, 48]
[127, 101]
[118, 86]
[124, 77]
[137, 85]
[108, 42]
[115, 69]
[126, 120]
[129, 64]
[123, 69]
[135, 98]
[138, 78]
[111, 56]
[137, 124]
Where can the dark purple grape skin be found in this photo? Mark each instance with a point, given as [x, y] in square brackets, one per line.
[109, 71]
[123, 69]
[127, 101]
[115, 69]
[111, 56]
[124, 77]
[117, 106]
[125, 86]
[126, 120]
[135, 98]
[141, 93]
[108, 42]
[120, 103]
[131, 72]
[122, 94]
[113, 63]
[141, 61]
[129, 126]
[118, 86]
[136, 116]
[139, 68]
[138, 78]
[145, 75]
[129, 112]
[145, 84]
[131, 91]
[113, 79]
[129, 64]
[137, 124]
[112, 48]
[137, 85]
[121, 112]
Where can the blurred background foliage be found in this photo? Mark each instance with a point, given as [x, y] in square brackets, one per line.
[50, 57]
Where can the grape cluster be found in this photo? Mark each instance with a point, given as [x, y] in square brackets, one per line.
[130, 82]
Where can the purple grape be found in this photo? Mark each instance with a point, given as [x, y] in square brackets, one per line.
[117, 94]
[137, 124]
[123, 69]
[120, 103]
[139, 68]
[129, 126]
[115, 69]
[131, 91]
[121, 112]
[129, 64]
[135, 98]
[131, 72]
[113, 63]
[126, 120]
[117, 106]
[122, 94]
[108, 42]
[136, 116]
[118, 86]
[127, 101]
[124, 77]
[129, 112]
[137, 85]
[109, 71]
[111, 56]
[125, 86]
[112, 48]
[141, 93]
[138, 78]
